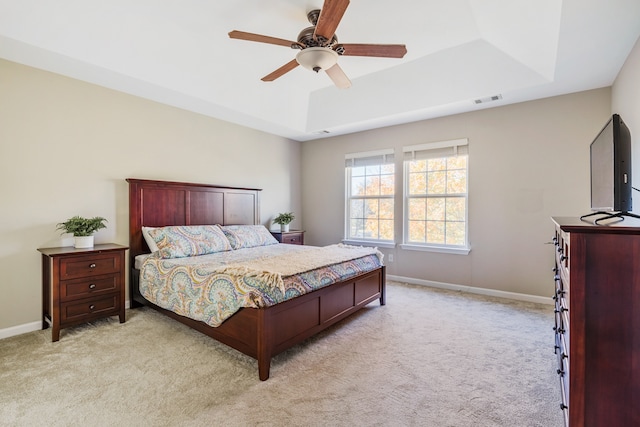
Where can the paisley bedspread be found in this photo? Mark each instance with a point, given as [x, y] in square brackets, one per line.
[211, 288]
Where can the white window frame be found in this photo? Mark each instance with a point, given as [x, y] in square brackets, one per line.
[368, 158]
[433, 150]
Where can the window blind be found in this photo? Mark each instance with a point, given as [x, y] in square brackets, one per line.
[435, 150]
[369, 158]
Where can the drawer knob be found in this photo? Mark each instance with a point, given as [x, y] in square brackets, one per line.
[92, 265]
[91, 307]
[92, 286]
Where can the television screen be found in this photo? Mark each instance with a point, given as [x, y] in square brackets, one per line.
[611, 168]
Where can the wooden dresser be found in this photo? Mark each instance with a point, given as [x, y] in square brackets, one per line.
[80, 285]
[597, 321]
[293, 237]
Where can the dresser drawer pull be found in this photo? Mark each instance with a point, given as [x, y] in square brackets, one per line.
[92, 307]
[92, 266]
[92, 286]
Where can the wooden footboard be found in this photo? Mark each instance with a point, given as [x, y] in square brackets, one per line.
[265, 332]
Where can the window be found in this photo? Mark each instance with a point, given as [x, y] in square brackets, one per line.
[435, 199]
[370, 187]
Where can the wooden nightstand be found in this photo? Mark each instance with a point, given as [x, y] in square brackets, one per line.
[293, 237]
[81, 285]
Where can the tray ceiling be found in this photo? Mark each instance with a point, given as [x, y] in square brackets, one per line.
[459, 51]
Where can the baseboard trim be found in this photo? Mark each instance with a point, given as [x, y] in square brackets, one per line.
[27, 327]
[473, 290]
[20, 329]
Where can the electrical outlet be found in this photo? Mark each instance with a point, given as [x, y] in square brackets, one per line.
[390, 257]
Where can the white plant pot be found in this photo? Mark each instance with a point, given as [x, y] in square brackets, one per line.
[284, 227]
[83, 241]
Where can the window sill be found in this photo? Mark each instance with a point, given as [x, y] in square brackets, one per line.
[377, 244]
[439, 249]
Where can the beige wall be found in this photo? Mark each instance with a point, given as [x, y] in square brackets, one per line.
[527, 162]
[66, 148]
[625, 100]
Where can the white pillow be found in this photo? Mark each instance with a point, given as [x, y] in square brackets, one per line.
[147, 238]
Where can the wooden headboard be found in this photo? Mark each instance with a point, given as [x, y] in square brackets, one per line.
[161, 203]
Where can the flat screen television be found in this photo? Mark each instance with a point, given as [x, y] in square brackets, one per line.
[610, 154]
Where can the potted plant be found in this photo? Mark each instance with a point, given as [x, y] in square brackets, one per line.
[82, 229]
[284, 219]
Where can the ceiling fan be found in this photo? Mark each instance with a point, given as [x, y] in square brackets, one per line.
[319, 47]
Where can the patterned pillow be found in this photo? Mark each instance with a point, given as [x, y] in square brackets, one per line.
[189, 240]
[248, 236]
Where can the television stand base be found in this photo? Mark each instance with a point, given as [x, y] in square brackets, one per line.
[609, 215]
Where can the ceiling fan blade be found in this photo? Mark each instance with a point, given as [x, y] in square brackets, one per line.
[280, 71]
[338, 76]
[330, 16]
[235, 34]
[379, 50]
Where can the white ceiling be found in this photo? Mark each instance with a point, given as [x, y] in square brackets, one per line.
[179, 53]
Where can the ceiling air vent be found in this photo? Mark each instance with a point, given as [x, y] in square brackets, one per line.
[487, 99]
[320, 132]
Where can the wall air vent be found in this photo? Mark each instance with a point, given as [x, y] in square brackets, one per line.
[320, 132]
[487, 99]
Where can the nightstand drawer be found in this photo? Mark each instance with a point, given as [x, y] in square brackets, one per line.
[83, 288]
[292, 238]
[86, 309]
[85, 266]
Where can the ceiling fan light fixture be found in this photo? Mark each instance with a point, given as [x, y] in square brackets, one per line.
[317, 58]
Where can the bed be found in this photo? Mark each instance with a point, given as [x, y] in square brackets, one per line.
[260, 333]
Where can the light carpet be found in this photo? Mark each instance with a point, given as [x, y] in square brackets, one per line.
[429, 357]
